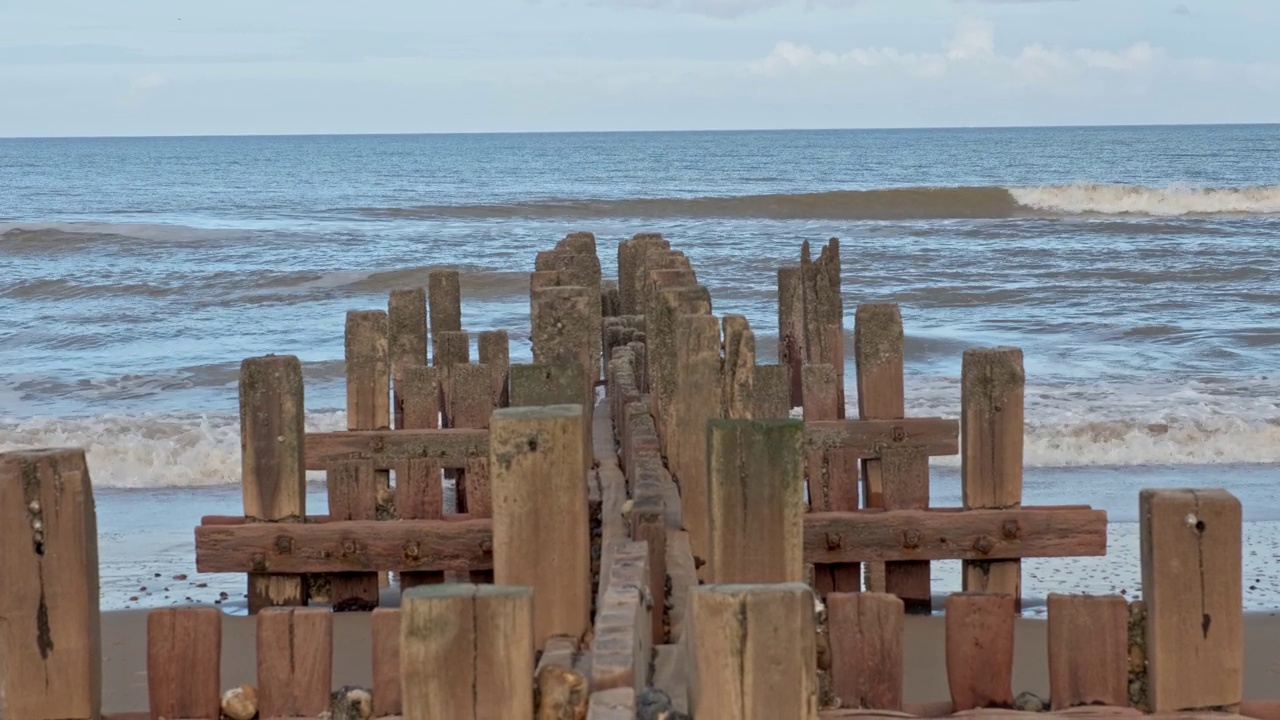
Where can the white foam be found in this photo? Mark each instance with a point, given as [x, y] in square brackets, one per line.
[1171, 200]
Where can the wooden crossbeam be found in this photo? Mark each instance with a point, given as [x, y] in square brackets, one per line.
[450, 447]
[954, 534]
[346, 546]
[865, 438]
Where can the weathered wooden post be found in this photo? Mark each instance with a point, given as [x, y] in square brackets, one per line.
[866, 632]
[756, 501]
[295, 662]
[1088, 650]
[563, 332]
[991, 430]
[466, 652]
[1191, 583]
[444, 293]
[739, 368]
[832, 474]
[184, 661]
[979, 632]
[752, 652]
[541, 535]
[494, 349]
[419, 488]
[407, 328]
[697, 399]
[273, 465]
[50, 643]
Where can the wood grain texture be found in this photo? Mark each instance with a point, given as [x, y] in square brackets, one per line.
[494, 349]
[756, 501]
[353, 495]
[350, 546]
[939, 436]
[1191, 583]
[752, 652]
[407, 342]
[979, 636]
[1088, 650]
[991, 409]
[831, 474]
[541, 526]
[184, 659]
[739, 368]
[450, 448]
[696, 401]
[905, 472]
[295, 661]
[385, 628]
[648, 525]
[622, 641]
[877, 350]
[50, 641]
[419, 481]
[866, 631]
[368, 370]
[945, 534]
[444, 297]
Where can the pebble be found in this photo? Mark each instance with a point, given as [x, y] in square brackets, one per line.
[351, 703]
[240, 703]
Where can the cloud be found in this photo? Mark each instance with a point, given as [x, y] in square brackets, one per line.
[142, 86]
[728, 9]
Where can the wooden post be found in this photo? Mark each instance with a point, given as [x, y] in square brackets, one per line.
[563, 332]
[824, 312]
[756, 501]
[445, 296]
[648, 524]
[419, 488]
[631, 271]
[385, 628]
[739, 367]
[696, 400]
[407, 328]
[991, 431]
[1191, 583]
[753, 653]
[867, 641]
[772, 392]
[368, 408]
[471, 406]
[622, 645]
[184, 661]
[543, 384]
[791, 329]
[1088, 650]
[295, 662]
[832, 475]
[273, 465]
[50, 643]
[353, 495]
[979, 631]
[466, 652]
[495, 351]
[541, 536]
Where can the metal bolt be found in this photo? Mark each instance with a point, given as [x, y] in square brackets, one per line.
[486, 546]
[411, 550]
[983, 544]
[834, 541]
[898, 433]
[911, 539]
[378, 445]
[284, 545]
[1010, 529]
[259, 562]
[348, 547]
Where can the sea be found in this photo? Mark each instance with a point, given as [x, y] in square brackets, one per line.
[1138, 268]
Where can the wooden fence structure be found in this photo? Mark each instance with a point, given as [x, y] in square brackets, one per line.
[642, 554]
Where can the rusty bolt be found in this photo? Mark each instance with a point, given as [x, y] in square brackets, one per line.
[1010, 529]
[834, 541]
[911, 539]
[899, 433]
[259, 562]
[348, 547]
[411, 550]
[486, 546]
[983, 544]
[284, 545]
[379, 445]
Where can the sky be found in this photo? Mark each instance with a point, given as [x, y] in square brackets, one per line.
[175, 67]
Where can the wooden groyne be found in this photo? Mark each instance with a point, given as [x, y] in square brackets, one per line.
[631, 526]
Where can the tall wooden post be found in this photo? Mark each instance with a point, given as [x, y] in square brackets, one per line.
[1191, 583]
[184, 660]
[1088, 650]
[991, 429]
[541, 535]
[50, 642]
[494, 349]
[407, 328]
[867, 632]
[756, 501]
[696, 400]
[466, 652]
[273, 466]
[444, 289]
[832, 475]
[752, 652]
[979, 631]
[562, 330]
[791, 328]
[295, 662]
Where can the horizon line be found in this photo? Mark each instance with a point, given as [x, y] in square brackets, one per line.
[635, 131]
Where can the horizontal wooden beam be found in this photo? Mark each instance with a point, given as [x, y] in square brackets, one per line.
[242, 520]
[450, 447]
[897, 535]
[939, 436]
[346, 546]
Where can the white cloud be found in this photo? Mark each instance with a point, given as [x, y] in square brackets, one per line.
[142, 86]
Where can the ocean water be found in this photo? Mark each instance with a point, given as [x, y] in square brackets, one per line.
[1138, 268]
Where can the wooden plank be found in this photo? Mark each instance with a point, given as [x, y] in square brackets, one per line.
[368, 370]
[896, 535]
[684, 577]
[791, 329]
[444, 291]
[867, 632]
[622, 643]
[832, 474]
[564, 332]
[674, 293]
[353, 495]
[494, 348]
[772, 392]
[541, 535]
[1191, 583]
[467, 652]
[939, 436]
[739, 368]
[991, 388]
[631, 268]
[50, 642]
[350, 546]
[615, 704]
[752, 652]
[535, 384]
[385, 628]
[579, 266]
[419, 389]
[648, 525]
[979, 632]
[450, 447]
[756, 501]
[1088, 650]
[905, 470]
[877, 342]
[696, 401]
[295, 661]
[184, 659]
[450, 347]
[824, 312]
[407, 341]
[273, 475]
[470, 404]
[419, 483]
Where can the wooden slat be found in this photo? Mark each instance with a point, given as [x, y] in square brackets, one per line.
[791, 329]
[939, 436]
[696, 401]
[1088, 650]
[184, 660]
[419, 482]
[353, 495]
[895, 535]
[295, 661]
[444, 297]
[905, 472]
[684, 577]
[407, 333]
[649, 526]
[622, 642]
[563, 331]
[347, 546]
[494, 349]
[385, 628]
[739, 368]
[1191, 583]
[867, 641]
[450, 448]
[615, 704]
[979, 632]
[832, 474]
[878, 353]
[771, 393]
[368, 370]
[50, 641]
